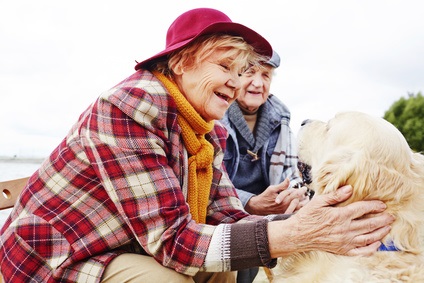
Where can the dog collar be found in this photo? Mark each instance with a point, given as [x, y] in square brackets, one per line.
[390, 247]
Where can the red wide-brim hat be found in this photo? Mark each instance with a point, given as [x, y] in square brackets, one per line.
[201, 21]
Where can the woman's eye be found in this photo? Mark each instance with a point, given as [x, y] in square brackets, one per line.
[225, 66]
[249, 72]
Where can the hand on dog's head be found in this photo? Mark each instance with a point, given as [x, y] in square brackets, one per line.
[350, 147]
[372, 156]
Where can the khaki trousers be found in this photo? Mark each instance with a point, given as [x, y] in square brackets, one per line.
[135, 268]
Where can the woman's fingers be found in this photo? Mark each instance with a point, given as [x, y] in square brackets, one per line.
[372, 223]
[340, 195]
[367, 239]
[365, 250]
[290, 194]
[292, 207]
[366, 233]
[361, 208]
[369, 243]
[282, 196]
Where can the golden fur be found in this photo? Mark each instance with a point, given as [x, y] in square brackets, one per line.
[371, 155]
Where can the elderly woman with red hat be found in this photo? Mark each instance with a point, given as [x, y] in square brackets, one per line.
[137, 191]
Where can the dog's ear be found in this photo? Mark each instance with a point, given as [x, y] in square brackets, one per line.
[342, 166]
[335, 170]
[369, 178]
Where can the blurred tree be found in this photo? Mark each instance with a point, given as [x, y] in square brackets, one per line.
[407, 114]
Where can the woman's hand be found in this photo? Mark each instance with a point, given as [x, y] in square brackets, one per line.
[277, 199]
[340, 230]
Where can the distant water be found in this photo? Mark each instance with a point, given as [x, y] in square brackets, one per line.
[13, 169]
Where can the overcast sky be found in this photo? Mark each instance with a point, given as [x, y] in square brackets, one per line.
[56, 57]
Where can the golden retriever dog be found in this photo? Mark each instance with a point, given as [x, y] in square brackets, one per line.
[370, 154]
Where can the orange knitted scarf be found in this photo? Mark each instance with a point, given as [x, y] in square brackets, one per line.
[193, 130]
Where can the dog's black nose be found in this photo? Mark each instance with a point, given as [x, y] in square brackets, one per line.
[305, 122]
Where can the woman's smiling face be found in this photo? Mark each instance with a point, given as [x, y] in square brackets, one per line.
[211, 86]
[256, 83]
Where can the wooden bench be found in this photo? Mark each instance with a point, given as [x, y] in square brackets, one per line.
[10, 191]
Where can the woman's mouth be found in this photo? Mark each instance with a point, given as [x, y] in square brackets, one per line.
[254, 93]
[222, 96]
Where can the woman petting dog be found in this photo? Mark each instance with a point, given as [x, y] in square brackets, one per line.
[137, 191]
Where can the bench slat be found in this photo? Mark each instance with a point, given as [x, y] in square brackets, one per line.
[10, 191]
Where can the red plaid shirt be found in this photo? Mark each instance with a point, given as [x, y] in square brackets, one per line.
[117, 183]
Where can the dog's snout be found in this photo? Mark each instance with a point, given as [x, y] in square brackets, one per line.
[305, 122]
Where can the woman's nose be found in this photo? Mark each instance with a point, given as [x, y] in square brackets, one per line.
[234, 82]
[257, 82]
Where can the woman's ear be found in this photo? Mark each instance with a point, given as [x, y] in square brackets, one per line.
[178, 69]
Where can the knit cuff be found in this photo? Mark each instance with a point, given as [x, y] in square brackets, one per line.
[249, 245]
[261, 234]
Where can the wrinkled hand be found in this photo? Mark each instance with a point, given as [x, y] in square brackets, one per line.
[355, 229]
[277, 199]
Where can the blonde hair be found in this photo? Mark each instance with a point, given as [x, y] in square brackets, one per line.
[235, 47]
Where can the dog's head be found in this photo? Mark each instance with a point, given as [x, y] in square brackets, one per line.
[370, 154]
